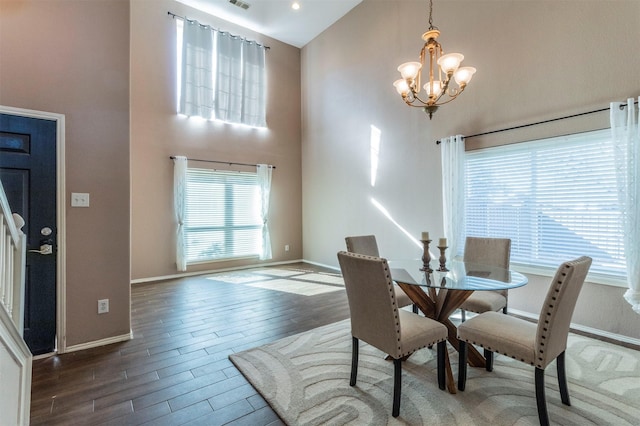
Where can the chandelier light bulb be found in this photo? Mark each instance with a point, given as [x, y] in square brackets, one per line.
[433, 88]
[401, 86]
[450, 62]
[463, 75]
[410, 70]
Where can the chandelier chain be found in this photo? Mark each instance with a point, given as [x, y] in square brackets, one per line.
[430, 14]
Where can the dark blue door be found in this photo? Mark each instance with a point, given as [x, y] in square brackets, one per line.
[28, 174]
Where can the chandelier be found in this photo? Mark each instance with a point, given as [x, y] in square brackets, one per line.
[441, 69]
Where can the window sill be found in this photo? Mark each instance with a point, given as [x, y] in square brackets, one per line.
[226, 259]
[550, 272]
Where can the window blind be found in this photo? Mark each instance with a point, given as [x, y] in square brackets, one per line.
[556, 199]
[222, 218]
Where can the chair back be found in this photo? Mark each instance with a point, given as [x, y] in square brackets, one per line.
[372, 304]
[363, 244]
[555, 317]
[488, 251]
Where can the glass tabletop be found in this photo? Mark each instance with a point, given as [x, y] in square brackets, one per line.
[461, 275]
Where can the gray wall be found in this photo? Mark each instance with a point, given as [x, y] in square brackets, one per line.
[72, 57]
[157, 132]
[536, 60]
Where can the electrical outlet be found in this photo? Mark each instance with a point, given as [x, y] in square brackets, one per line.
[286, 247]
[79, 199]
[103, 306]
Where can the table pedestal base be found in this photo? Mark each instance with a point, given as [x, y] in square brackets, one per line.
[439, 305]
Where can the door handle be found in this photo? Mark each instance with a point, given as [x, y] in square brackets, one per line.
[44, 249]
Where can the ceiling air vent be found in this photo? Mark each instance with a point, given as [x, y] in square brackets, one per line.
[240, 3]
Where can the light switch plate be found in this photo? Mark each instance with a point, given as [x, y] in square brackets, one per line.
[79, 199]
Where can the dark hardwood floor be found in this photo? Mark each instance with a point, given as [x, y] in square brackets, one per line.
[176, 369]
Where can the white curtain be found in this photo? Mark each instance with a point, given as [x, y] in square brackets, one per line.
[253, 105]
[179, 206]
[452, 154]
[625, 133]
[228, 101]
[197, 75]
[240, 81]
[264, 182]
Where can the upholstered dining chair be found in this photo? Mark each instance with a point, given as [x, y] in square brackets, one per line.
[487, 251]
[377, 320]
[527, 342]
[367, 245]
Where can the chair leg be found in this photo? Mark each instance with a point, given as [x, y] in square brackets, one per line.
[543, 415]
[462, 365]
[442, 347]
[415, 308]
[354, 360]
[504, 310]
[488, 356]
[397, 386]
[562, 380]
[463, 314]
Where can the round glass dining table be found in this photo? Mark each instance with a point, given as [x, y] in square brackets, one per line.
[439, 293]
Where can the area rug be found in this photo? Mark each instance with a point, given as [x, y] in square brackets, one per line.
[305, 379]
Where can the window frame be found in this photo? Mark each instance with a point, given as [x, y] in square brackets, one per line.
[618, 280]
[228, 228]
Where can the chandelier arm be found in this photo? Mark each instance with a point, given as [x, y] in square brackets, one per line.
[416, 98]
[447, 101]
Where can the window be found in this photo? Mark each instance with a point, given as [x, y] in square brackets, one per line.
[555, 198]
[220, 76]
[223, 215]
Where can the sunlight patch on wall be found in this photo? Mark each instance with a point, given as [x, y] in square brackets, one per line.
[374, 148]
[385, 212]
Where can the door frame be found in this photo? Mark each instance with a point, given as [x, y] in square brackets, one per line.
[61, 282]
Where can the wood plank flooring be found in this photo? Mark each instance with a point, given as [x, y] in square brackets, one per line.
[176, 369]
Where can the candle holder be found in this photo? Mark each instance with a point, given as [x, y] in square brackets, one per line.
[426, 257]
[442, 259]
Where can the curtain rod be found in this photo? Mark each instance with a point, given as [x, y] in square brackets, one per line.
[230, 163]
[184, 18]
[622, 106]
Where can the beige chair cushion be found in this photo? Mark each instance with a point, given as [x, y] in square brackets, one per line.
[536, 344]
[487, 251]
[484, 301]
[501, 333]
[375, 317]
[401, 297]
[416, 333]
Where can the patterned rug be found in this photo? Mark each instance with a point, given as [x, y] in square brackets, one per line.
[305, 379]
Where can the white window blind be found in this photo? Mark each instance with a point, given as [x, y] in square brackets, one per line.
[556, 199]
[223, 216]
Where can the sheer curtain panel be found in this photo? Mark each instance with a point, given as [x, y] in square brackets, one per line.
[197, 70]
[253, 85]
[240, 81]
[625, 132]
[453, 171]
[179, 205]
[228, 100]
[264, 172]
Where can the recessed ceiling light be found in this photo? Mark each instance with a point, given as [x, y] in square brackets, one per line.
[240, 4]
[295, 5]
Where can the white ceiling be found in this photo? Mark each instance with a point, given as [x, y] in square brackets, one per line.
[276, 18]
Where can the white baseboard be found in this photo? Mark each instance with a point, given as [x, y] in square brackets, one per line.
[584, 328]
[101, 342]
[211, 271]
[321, 265]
